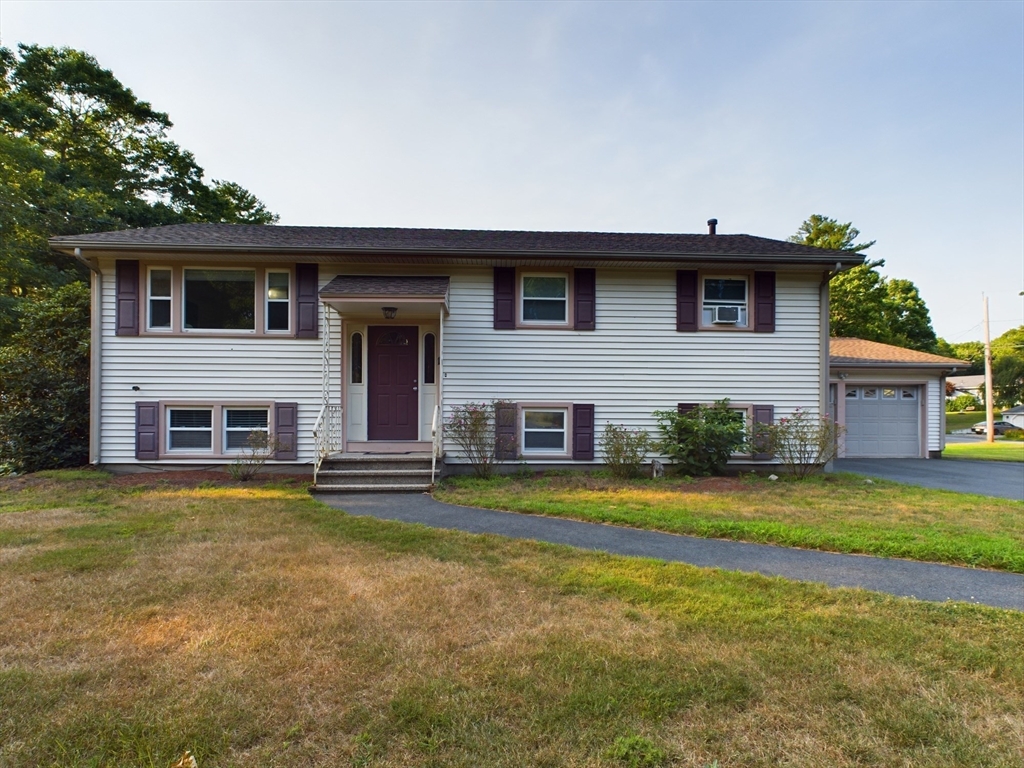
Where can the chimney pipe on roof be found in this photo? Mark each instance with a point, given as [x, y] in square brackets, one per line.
[712, 223]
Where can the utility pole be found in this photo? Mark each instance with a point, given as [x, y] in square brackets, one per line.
[990, 428]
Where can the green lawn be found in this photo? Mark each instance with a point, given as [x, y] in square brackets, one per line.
[1000, 450]
[256, 627]
[966, 420]
[837, 512]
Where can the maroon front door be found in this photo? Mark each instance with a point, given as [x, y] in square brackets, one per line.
[393, 401]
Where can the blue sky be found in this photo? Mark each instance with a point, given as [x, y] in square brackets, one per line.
[905, 118]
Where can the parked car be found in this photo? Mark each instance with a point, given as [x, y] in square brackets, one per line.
[999, 427]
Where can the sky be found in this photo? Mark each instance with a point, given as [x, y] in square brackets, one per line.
[904, 118]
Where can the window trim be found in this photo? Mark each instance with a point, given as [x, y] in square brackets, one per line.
[522, 408]
[748, 278]
[570, 296]
[256, 320]
[224, 425]
[218, 424]
[169, 430]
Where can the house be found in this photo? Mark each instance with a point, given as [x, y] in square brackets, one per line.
[890, 399]
[353, 344]
[973, 385]
[1015, 416]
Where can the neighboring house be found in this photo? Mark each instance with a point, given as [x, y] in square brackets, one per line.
[890, 399]
[1015, 416]
[968, 385]
[356, 341]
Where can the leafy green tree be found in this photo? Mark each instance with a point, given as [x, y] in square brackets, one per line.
[1008, 380]
[971, 351]
[865, 304]
[44, 392]
[79, 152]
[1011, 342]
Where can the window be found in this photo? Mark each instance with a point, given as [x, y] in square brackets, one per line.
[190, 429]
[888, 393]
[159, 299]
[908, 394]
[220, 299]
[239, 423]
[278, 314]
[545, 299]
[356, 353]
[851, 393]
[870, 393]
[544, 430]
[724, 302]
[429, 358]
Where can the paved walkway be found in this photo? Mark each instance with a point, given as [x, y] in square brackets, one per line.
[1004, 479]
[905, 578]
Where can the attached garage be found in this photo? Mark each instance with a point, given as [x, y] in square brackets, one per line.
[891, 400]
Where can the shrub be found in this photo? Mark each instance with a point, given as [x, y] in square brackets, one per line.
[700, 441]
[472, 428]
[44, 386]
[625, 449]
[802, 443]
[259, 446]
[962, 403]
[1014, 434]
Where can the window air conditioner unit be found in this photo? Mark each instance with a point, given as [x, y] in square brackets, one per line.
[725, 315]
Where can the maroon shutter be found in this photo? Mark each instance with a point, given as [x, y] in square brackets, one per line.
[505, 430]
[685, 407]
[763, 414]
[585, 291]
[147, 431]
[286, 420]
[504, 298]
[583, 432]
[764, 302]
[127, 301]
[307, 314]
[686, 300]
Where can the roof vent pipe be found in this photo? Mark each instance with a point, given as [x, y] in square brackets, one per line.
[712, 224]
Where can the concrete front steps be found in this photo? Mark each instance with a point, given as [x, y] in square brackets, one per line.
[369, 472]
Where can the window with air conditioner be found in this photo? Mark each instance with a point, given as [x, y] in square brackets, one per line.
[724, 301]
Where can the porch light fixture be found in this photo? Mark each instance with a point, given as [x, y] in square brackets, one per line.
[389, 312]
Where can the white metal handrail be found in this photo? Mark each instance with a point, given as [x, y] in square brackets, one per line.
[436, 432]
[326, 435]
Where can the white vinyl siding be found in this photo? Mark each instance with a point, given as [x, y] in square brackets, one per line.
[206, 368]
[635, 362]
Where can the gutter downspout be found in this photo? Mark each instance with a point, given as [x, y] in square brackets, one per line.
[95, 353]
[823, 305]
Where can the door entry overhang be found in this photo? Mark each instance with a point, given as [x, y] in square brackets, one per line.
[412, 296]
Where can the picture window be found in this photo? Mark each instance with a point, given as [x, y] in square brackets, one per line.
[220, 299]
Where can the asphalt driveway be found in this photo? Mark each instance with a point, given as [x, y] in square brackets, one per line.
[924, 581]
[1004, 479]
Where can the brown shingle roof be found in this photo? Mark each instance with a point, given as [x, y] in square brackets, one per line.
[200, 237]
[862, 352]
[345, 286]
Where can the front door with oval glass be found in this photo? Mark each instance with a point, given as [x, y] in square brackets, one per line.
[393, 386]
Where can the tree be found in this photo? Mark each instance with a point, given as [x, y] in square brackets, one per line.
[970, 351]
[1008, 380]
[80, 153]
[865, 304]
[44, 392]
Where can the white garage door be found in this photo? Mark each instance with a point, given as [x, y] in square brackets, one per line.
[883, 422]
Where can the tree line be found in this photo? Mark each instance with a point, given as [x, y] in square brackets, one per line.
[80, 153]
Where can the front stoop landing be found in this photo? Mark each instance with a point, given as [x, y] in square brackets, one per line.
[375, 472]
